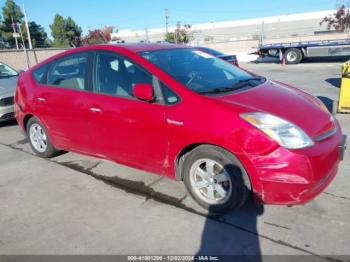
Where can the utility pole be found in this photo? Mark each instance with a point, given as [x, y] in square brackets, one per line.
[167, 15]
[15, 35]
[27, 27]
[262, 33]
[24, 47]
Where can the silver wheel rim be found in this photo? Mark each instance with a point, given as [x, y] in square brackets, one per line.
[210, 181]
[292, 56]
[38, 138]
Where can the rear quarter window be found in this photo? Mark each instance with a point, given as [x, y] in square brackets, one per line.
[39, 74]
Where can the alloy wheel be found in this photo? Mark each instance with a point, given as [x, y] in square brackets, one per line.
[210, 181]
[38, 137]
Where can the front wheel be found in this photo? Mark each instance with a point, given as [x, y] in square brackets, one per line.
[39, 139]
[215, 179]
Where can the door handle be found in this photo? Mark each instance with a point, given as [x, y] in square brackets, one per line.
[95, 110]
[41, 99]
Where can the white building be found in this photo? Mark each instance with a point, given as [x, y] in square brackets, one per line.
[289, 25]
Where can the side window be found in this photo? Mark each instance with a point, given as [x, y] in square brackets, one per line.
[115, 75]
[40, 74]
[169, 96]
[69, 72]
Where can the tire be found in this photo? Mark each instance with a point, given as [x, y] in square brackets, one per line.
[36, 132]
[228, 175]
[293, 56]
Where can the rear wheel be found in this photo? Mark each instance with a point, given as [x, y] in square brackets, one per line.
[215, 179]
[293, 56]
[39, 140]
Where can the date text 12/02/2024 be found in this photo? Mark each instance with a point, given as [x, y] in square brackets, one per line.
[173, 258]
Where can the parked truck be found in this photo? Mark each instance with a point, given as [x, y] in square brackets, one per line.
[295, 52]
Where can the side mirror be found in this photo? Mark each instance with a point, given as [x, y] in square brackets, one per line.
[143, 92]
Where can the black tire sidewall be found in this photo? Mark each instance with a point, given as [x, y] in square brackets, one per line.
[299, 55]
[240, 181]
[50, 149]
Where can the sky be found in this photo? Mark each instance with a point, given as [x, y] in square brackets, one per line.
[139, 14]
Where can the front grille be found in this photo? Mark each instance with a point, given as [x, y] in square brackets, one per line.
[7, 101]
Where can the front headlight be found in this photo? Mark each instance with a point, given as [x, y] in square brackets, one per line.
[283, 132]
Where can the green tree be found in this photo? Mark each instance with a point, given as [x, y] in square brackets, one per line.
[181, 34]
[37, 34]
[65, 32]
[10, 11]
[170, 37]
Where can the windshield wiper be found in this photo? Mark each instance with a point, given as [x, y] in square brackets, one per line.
[252, 79]
[218, 90]
[6, 76]
[241, 83]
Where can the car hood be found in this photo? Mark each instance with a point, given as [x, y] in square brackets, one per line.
[8, 86]
[286, 102]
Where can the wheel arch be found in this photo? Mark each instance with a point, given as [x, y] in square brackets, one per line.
[28, 116]
[26, 119]
[180, 157]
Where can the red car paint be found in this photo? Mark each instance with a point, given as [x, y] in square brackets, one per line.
[150, 136]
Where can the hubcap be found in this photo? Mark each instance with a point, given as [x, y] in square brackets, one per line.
[38, 138]
[210, 181]
[292, 56]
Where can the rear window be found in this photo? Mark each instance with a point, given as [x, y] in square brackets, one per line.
[69, 71]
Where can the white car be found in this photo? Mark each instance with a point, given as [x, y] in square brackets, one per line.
[8, 82]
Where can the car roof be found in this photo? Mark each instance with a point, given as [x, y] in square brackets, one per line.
[141, 47]
[131, 47]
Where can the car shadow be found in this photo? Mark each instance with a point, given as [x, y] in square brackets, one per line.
[232, 236]
[329, 103]
[12, 122]
[307, 60]
[325, 59]
[334, 81]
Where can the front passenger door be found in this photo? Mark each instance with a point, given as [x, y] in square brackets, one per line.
[125, 129]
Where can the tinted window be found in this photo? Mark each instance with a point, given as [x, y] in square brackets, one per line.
[69, 72]
[169, 96]
[115, 75]
[40, 74]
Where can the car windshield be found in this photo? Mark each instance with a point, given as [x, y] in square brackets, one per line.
[6, 71]
[199, 71]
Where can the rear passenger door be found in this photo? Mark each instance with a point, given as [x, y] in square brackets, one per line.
[61, 102]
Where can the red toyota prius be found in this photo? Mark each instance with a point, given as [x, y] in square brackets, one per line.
[179, 112]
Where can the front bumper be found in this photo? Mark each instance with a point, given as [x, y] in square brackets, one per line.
[7, 113]
[292, 177]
